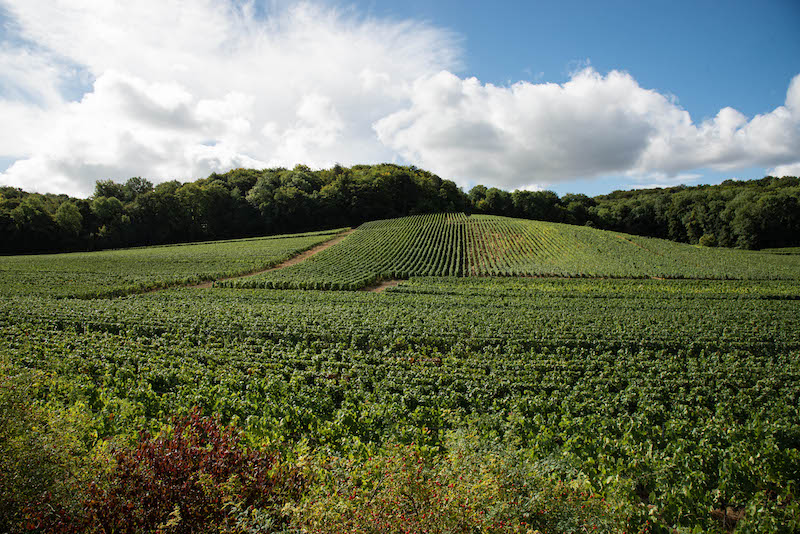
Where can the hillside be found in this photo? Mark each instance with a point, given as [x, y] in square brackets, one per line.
[484, 245]
[528, 375]
[451, 245]
[120, 272]
[751, 214]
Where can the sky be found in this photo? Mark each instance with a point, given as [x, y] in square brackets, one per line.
[575, 97]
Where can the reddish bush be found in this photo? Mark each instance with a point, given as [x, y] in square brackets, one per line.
[197, 478]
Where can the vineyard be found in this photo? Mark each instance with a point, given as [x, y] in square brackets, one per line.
[119, 272]
[500, 246]
[482, 245]
[538, 377]
[422, 245]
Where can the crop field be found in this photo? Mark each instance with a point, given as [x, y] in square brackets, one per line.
[501, 246]
[784, 250]
[483, 245]
[118, 272]
[649, 404]
[421, 245]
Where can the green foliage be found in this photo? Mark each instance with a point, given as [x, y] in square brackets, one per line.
[469, 488]
[32, 219]
[239, 203]
[119, 272]
[69, 218]
[500, 246]
[671, 399]
[483, 245]
[431, 245]
[194, 476]
[748, 214]
[521, 391]
[784, 250]
[107, 209]
[44, 460]
[246, 202]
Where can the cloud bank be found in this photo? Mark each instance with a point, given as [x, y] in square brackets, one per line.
[172, 89]
[179, 89]
[592, 125]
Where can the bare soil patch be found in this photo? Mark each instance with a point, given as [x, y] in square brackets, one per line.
[381, 286]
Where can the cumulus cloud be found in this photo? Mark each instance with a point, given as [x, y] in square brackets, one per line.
[176, 90]
[126, 126]
[180, 89]
[660, 179]
[592, 125]
[792, 169]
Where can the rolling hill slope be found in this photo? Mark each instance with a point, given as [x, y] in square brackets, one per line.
[541, 353]
[120, 272]
[483, 245]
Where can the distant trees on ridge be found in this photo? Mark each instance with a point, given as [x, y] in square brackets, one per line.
[248, 202]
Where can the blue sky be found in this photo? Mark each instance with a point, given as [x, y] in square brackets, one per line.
[709, 54]
[570, 96]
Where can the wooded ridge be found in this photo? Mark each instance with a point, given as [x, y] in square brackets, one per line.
[752, 214]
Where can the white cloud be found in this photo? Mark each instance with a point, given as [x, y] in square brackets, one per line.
[178, 89]
[793, 169]
[318, 126]
[526, 133]
[29, 76]
[660, 179]
[593, 125]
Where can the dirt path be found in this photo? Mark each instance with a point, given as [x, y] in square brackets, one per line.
[381, 286]
[291, 261]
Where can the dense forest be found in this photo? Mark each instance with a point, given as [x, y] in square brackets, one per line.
[246, 202]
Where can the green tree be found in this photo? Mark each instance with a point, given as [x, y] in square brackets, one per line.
[137, 186]
[578, 208]
[36, 228]
[109, 188]
[537, 205]
[107, 209]
[261, 196]
[69, 219]
[476, 195]
[497, 202]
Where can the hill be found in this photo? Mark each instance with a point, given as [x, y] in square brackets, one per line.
[484, 245]
[121, 272]
[452, 244]
[530, 376]
[247, 202]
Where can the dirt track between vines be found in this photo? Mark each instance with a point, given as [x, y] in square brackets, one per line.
[381, 286]
[291, 261]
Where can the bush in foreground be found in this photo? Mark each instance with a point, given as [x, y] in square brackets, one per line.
[45, 462]
[197, 477]
[469, 489]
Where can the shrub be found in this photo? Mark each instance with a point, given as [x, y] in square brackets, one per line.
[195, 478]
[43, 459]
[468, 489]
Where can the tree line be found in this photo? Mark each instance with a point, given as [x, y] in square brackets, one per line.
[248, 202]
[750, 214]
